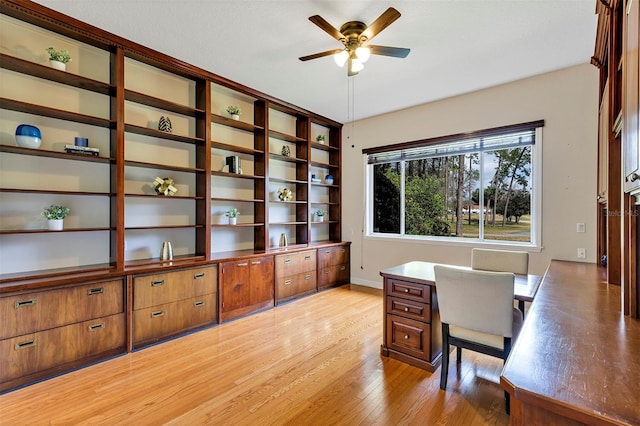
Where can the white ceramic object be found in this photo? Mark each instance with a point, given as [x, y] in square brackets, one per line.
[233, 220]
[28, 141]
[235, 116]
[56, 224]
[58, 65]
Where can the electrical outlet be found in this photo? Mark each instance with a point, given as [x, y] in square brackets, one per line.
[582, 253]
[580, 227]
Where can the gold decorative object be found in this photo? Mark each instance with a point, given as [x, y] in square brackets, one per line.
[164, 186]
[285, 194]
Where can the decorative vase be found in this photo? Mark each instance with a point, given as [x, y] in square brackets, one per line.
[58, 65]
[56, 224]
[328, 180]
[235, 116]
[166, 253]
[286, 151]
[164, 124]
[320, 218]
[28, 136]
[233, 220]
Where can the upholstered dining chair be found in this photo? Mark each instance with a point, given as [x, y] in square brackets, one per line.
[477, 313]
[500, 260]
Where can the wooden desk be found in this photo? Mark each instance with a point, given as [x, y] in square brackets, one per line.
[577, 358]
[412, 328]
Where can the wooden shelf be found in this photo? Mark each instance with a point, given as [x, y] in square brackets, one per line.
[323, 147]
[238, 200]
[46, 231]
[131, 128]
[142, 228]
[237, 225]
[141, 98]
[28, 108]
[237, 124]
[163, 197]
[283, 136]
[323, 165]
[287, 159]
[235, 175]
[47, 191]
[280, 180]
[235, 148]
[54, 154]
[52, 74]
[130, 163]
[290, 202]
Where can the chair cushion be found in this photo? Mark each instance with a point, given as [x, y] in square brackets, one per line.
[488, 339]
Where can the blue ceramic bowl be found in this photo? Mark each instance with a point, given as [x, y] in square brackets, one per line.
[28, 136]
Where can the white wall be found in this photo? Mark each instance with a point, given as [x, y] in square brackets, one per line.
[568, 102]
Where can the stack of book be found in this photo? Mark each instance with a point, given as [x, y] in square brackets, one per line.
[84, 150]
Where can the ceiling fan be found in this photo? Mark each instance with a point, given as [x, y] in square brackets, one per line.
[355, 36]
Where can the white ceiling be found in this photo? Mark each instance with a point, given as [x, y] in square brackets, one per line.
[457, 46]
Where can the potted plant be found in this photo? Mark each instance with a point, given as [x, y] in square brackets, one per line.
[58, 58]
[321, 139]
[232, 215]
[234, 111]
[55, 215]
[320, 215]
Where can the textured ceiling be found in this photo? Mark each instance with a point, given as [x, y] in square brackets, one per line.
[456, 46]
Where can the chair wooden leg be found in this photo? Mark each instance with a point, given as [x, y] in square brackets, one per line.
[445, 357]
[458, 354]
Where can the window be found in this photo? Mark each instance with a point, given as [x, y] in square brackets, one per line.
[482, 186]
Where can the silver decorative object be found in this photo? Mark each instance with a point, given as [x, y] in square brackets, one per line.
[167, 251]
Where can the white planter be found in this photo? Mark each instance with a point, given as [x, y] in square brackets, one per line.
[233, 220]
[235, 116]
[58, 65]
[55, 224]
[319, 218]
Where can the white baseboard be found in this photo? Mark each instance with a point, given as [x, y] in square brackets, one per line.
[367, 283]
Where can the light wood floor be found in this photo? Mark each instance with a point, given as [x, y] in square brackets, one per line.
[315, 361]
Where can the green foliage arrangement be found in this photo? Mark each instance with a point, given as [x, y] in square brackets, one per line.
[320, 212]
[321, 138]
[55, 212]
[232, 213]
[233, 110]
[59, 55]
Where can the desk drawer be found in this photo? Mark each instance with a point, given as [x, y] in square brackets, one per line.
[153, 290]
[409, 309]
[295, 263]
[331, 275]
[296, 285]
[332, 256]
[408, 290]
[42, 310]
[409, 336]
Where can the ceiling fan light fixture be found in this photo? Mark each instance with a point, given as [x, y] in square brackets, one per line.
[355, 65]
[363, 54]
[341, 58]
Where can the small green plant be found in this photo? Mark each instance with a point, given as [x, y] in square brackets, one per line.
[59, 55]
[321, 138]
[232, 213]
[233, 110]
[320, 213]
[55, 212]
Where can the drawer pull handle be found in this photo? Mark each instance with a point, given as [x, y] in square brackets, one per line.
[93, 291]
[198, 276]
[406, 290]
[25, 345]
[287, 282]
[307, 277]
[95, 327]
[406, 337]
[256, 262]
[307, 258]
[198, 304]
[326, 271]
[243, 264]
[157, 314]
[342, 268]
[25, 303]
[157, 283]
[328, 253]
[406, 309]
[287, 261]
[342, 251]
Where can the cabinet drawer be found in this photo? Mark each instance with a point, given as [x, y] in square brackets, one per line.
[288, 287]
[164, 320]
[331, 275]
[408, 290]
[41, 310]
[332, 256]
[409, 309]
[44, 350]
[153, 290]
[295, 263]
[409, 336]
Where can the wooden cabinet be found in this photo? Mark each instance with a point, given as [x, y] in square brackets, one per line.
[631, 111]
[174, 302]
[412, 328]
[246, 286]
[333, 266]
[295, 275]
[49, 331]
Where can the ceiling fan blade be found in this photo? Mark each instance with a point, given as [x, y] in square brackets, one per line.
[396, 52]
[383, 21]
[326, 27]
[320, 55]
